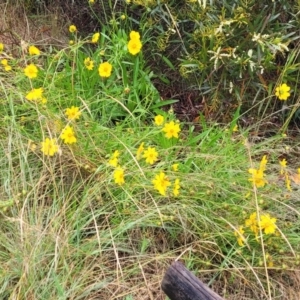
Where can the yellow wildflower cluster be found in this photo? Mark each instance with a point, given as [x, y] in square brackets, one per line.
[114, 160]
[265, 223]
[161, 183]
[257, 177]
[6, 66]
[134, 45]
[171, 129]
[118, 173]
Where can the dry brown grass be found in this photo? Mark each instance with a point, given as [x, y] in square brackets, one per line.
[17, 28]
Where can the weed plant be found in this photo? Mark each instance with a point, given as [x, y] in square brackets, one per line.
[101, 188]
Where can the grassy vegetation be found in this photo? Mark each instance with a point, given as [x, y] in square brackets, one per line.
[102, 186]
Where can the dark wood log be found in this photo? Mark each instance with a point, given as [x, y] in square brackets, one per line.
[180, 284]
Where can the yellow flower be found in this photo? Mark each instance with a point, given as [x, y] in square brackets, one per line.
[282, 91]
[267, 224]
[73, 113]
[119, 176]
[5, 64]
[161, 183]
[95, 37]
[134, 35]
[257, 177]
[49, 147]
[175, 167]
[263, 163]
[105, 69]
[68, 135]
[134, 46]
[114, 159]
[89, 64]
[72, 28]
[282, 163]
[151, 155]
[176, 187]
[171, 129]
[235, 128]
[239, 233]
[71, 42]
[91, 1]
[33, 50]
[140, 150]
[1, 47]
[159, 120]
[31, 71]
[252, 223]
[288, 182]
[123, 17]
[36, 95]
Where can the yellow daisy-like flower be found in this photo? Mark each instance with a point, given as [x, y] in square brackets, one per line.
[140, 150]
[123, 17]
[95, 37]
[171, 129]
[31, 71]
[257, 177]
[150, 155]
[89, 64]
[134, 46]
[72, 28]
[91, 1]
[49, 147]
[161, 183]
[1, 47]
[282, 92]
[71, 42]
[119, 176]
[267, 224]
[5, 64]
[159, 120]
[105, 69]
[33, 50]
[68, 135]
[134, 35]
[36, 95]
[73, 113]
[176, 187]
